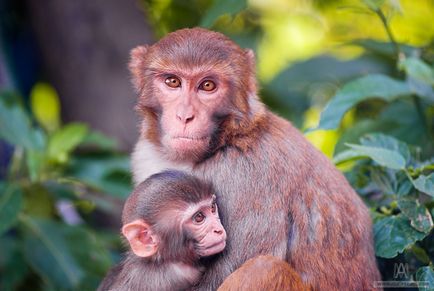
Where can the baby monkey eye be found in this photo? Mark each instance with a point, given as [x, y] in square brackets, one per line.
[173, 82]
[207, 85]
[199, 217]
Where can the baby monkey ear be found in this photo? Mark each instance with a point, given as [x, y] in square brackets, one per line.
[142, 241]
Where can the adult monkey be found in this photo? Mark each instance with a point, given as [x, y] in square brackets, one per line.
[279, 195]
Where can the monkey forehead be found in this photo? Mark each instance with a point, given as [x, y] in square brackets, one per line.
[194, 48]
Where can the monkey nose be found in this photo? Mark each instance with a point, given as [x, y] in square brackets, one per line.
[218, 231]
[185, 118]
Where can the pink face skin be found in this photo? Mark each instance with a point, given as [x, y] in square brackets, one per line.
[203, 222]
[189, 102]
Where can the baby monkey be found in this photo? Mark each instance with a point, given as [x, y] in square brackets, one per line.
[170, 221]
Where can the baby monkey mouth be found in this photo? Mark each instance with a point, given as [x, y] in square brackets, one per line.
[190, 138]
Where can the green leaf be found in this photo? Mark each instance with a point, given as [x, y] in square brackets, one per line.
[88, 249]
[418, 214]
[368, 87]
[374, 4]
[10, 206]
[100, 140]
[387, 142]
[16, 128]
[346, 156]
[35, 163]
[220, 8]
[425, 278]
[393, 234]
[384, 157]
[425, 184]
[383, 180]
[46, 250]
[417, 69]
[108, 173]
[13, 267]
[45, 106]
[63, 141]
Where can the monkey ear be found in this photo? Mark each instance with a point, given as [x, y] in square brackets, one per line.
[250, 54]
[139, 234]
[136, 64]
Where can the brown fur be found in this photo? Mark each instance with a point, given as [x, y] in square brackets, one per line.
[264, 273]
[279, 195]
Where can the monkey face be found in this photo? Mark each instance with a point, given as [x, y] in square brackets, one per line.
[204, 227]
[194, 88]
[188, 104]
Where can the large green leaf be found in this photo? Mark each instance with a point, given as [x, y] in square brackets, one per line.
[220, 8]
[393, 234]
[10, 205]
[425, 184]
[425, 278]
[418, 214]
[368, 87]
[16, 128]
[384, 157]
[65, 140]
[46, 250]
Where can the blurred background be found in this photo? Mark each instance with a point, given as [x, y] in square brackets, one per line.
[356, 76]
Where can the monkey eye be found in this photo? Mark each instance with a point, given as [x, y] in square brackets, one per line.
[173, 82]
[199, 217]
[207, 85]
[213, 207]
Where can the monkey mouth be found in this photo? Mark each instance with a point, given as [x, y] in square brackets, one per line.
[213, 249]
[190, 138]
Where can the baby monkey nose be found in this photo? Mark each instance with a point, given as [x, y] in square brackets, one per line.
[218, 231]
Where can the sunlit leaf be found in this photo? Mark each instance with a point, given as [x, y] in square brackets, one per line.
[425, 184]
[45, 106]
[393, 234]
[425, 278]
[418, 214]
[46, 250]
[220, 8]
[371, 86]
[65, 140]
[384, 157]
[16, 128]
[10, 205]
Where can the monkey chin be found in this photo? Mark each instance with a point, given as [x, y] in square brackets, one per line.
[213, 249]
[186, 148]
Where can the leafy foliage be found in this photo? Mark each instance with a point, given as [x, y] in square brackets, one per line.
[45, 224]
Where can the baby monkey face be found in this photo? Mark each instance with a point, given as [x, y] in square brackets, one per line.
[202, 223]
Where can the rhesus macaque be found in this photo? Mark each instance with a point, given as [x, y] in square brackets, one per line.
[264, 273]
[279, 195]
[170, 221]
